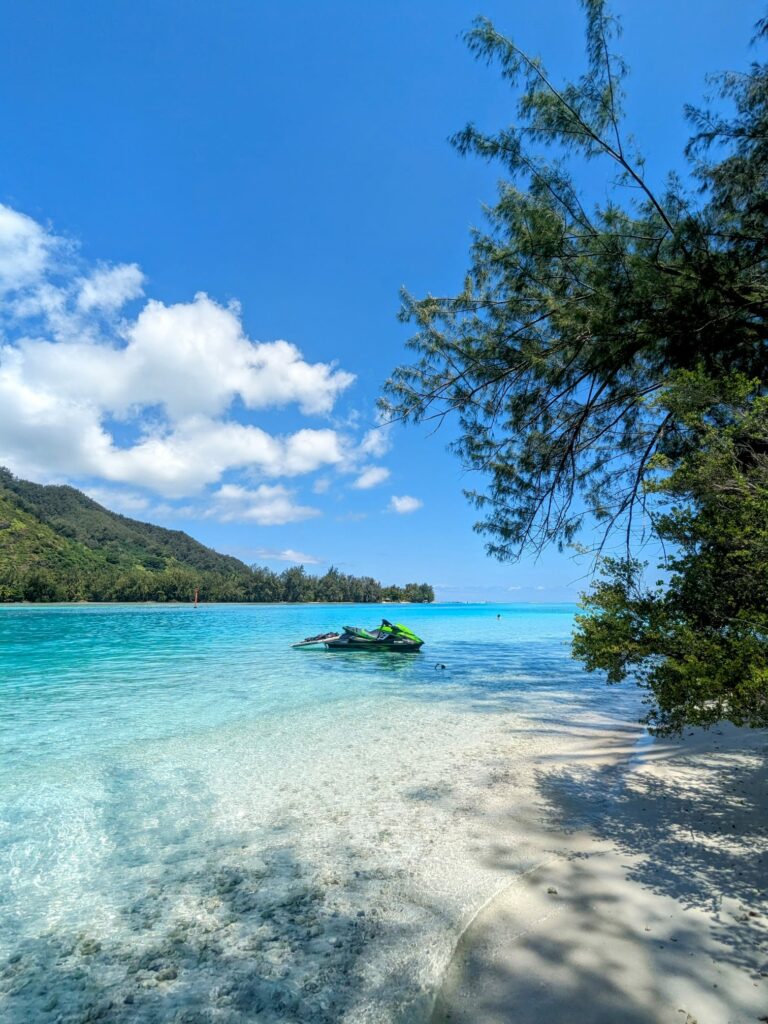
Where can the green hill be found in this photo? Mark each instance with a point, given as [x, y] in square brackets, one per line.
[57, 544]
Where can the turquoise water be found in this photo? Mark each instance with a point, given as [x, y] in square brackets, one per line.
[78, 680]
[199, 824]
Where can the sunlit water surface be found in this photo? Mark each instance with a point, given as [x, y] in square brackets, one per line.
[199, 824]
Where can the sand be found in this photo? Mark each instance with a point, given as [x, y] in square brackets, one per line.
[647, 904]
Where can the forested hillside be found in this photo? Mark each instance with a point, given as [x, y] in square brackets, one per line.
[57, 544]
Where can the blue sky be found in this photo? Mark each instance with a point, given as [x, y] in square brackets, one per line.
[209, 209]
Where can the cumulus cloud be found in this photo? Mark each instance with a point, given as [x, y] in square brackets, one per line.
[404, 504]
[110, 287]
[200, 450]
[24, 249]
[127, 502]
[78, 378]
[41, 431]
[265, 505]
[377, 441]
[189, 358]
[370, 477]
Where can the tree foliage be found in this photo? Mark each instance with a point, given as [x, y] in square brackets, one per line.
[72, 514]
[606, 360]
[698, 642]
[573, 313]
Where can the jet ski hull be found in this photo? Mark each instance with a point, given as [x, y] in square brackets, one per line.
[351, 643]
[387, 637]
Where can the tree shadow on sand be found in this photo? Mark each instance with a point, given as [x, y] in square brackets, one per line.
[697, 836]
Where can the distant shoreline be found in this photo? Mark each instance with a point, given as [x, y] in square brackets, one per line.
[285, 604]
[184, 604]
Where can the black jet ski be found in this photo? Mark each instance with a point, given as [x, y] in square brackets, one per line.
[389, 636]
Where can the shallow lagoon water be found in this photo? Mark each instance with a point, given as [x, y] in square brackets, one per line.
[199, 824]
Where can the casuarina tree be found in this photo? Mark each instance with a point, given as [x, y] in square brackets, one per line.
[597, 343]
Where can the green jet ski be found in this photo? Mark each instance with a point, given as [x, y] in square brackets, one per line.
[390, 636]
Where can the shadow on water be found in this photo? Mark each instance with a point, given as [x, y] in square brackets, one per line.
[244, 949]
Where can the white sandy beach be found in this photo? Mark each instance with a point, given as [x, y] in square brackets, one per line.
[647, 907]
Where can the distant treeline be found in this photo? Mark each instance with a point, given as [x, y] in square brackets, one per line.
[177, 583]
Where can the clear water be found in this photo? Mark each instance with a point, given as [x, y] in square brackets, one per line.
[199, 824]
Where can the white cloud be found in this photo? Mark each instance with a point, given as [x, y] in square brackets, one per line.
[377, 441]
[190, 359]
[288, 555]
[404, 504]
[125, 502]
[24, 249]
[71, 367]
[110, 288]
[41, 432]
[306, 450]
[321, 485]
[371, 477]
[265, 505]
